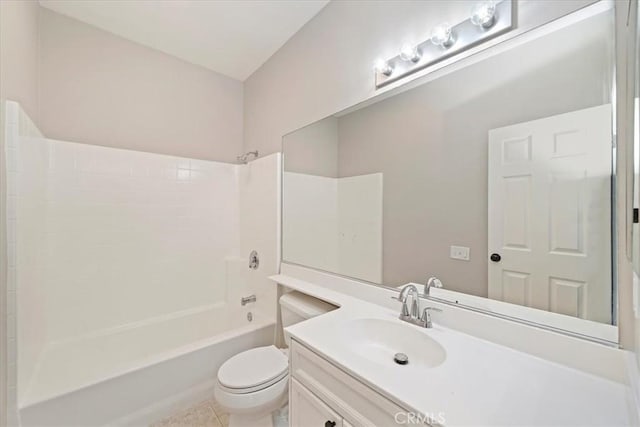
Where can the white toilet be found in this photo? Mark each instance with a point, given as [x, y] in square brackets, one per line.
[253, 384]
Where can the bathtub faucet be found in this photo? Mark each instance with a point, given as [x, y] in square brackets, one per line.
[247, 300]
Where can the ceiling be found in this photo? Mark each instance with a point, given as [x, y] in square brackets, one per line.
[231, 37]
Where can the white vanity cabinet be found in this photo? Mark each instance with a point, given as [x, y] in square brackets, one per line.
[322, 394]
[305, 409]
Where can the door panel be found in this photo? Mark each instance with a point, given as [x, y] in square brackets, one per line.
[306, 410]
[516, 287]
[550, 213]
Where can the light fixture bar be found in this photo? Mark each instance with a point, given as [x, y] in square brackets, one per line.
[464, 36]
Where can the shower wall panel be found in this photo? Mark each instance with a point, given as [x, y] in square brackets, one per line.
[121, 236]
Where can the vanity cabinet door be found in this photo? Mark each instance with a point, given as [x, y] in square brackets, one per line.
[306, 410]
[353, 400]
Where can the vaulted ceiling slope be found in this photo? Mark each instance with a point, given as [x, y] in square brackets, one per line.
[231, 37]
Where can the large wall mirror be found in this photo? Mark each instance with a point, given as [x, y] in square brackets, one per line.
[496, 178]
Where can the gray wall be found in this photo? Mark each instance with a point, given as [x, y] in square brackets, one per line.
[313, 149]
[431, 145]
[19, 35]
[98, 88]
[327, 65]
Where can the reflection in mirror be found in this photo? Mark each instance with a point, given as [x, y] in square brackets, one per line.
[496, 178]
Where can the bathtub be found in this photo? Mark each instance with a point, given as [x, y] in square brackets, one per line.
[140, 372]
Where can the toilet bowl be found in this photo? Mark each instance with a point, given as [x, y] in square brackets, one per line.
[253, 384]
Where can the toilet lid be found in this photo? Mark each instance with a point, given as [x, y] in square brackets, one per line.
[253, 368]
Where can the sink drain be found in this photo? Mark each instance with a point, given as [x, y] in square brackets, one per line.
[401, 358]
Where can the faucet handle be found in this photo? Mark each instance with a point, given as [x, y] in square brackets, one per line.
[428, 309]
[405, 310]
[426, 316]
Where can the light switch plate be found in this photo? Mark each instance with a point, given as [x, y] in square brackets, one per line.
[460, 252]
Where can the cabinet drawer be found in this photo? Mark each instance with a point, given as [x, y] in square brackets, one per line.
[358, 404]
[306, 410]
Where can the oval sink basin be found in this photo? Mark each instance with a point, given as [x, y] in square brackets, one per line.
[378, 340]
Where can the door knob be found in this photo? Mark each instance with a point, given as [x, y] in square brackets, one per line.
[495, 257]
[330, 424]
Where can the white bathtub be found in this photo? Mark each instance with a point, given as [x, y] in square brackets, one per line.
[134, 374]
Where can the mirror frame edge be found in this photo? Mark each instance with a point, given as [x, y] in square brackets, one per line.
[626, 39]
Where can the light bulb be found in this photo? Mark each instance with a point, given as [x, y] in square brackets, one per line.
[410, 52]
[441, 35]
[381, 66]
[483, 14]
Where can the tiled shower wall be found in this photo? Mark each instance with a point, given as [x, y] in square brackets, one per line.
[99, 238]
[260, 201]
[323, 225]
[109, 237]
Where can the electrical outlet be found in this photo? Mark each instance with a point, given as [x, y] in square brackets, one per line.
[460, 252]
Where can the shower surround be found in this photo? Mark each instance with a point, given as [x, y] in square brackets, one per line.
[127, 261]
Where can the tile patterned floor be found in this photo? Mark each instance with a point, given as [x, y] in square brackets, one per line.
[204, 414]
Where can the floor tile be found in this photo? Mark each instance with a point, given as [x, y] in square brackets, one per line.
[200, 415]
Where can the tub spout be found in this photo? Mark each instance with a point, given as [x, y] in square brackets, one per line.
[247, 300]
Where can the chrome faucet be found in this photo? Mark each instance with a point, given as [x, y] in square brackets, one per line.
[413, 316]
[409, 290]
[433, 282]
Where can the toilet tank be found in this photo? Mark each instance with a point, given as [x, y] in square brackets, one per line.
[296, 307]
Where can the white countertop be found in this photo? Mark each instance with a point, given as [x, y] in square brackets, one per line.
[480, 383]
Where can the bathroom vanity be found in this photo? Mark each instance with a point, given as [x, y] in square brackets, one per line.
[343, 373]
[322, 393]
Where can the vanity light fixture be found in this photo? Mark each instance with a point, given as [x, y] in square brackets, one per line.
[488, 19]
[483, 14]
[410, 52]
[382, 67]
[442, 36]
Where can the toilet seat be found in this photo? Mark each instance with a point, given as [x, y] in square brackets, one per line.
[253, 370]
[254, 383]
[256, 403]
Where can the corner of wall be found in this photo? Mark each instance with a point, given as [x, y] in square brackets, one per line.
[14, 123]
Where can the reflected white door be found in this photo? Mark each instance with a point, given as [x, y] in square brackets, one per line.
[550, 214]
